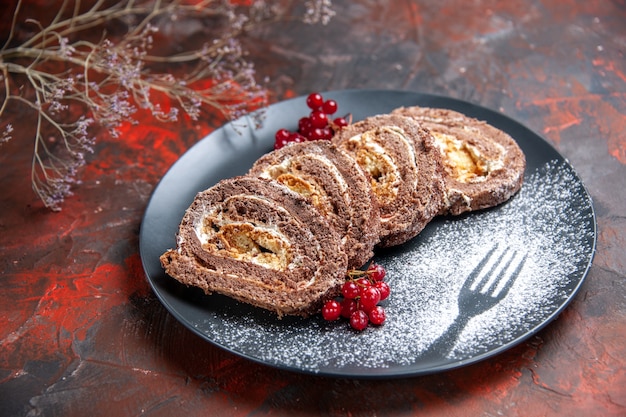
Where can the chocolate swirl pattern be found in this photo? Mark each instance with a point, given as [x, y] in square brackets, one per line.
[336, 186]
[261, 243]
[483, 166]
[283, 236]
[404, 169]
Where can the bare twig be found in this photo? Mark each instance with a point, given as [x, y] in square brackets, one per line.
[58, 70]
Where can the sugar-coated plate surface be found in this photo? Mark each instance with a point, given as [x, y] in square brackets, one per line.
[428, 329]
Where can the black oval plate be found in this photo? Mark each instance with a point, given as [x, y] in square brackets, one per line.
[551, 220]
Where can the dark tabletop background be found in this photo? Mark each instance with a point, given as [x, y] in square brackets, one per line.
[81, 333]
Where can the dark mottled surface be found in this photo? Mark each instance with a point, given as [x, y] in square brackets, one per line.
[82, 334]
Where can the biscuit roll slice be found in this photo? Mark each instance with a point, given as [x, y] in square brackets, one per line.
[483, 166]
[404, 172]
[335, 185]
[260, 243]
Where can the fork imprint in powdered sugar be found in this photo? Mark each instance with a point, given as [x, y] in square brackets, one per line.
[484, 288]
[487, 285]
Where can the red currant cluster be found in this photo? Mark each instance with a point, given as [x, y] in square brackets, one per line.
[318, 125]
[361, 292]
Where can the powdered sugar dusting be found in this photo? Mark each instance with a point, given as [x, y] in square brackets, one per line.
[550, 219]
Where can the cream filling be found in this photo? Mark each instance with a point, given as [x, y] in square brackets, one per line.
[281, 172]
[409, 145]
[274, 171]
[248, 241]
[490, 163]
[373, 158]
[464, 161]
[261, 244]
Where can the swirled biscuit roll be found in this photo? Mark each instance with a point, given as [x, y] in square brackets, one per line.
[258, 242]
[483, 166]
[335, 185]
[404, 171]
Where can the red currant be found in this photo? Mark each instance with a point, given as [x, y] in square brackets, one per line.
[359, 320]
[361, 293]
[319, 119]
[280, 144]
[363, 283]
[330, 106]
[314, 101]
[304, 126]
[282, 134]
[318, 125]
[383, 288]
[327, 133]
[319, 134]
[331, 310]
[316, 134]
[377, 315]
[340, 122]
[282, 138]
[296, 137]
[369, 298]
[350, 289]
[376, 272]
[348, 306]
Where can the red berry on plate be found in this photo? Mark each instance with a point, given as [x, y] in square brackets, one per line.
[319, 134]
[348, 306]
[304, 126]
[327, 133]
[319, 119]
[350, 289]
[282, 134]
[329, 106]
[363, 283]
[316, 134]
[377, 315]
[296, 137]
[339, 123]
[359, 320]
[383, 288]
[331, 310]
[376, 272]
[369, 298]
[282, 138]
[314, 101]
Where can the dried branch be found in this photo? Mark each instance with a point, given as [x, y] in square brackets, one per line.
[62, 70]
